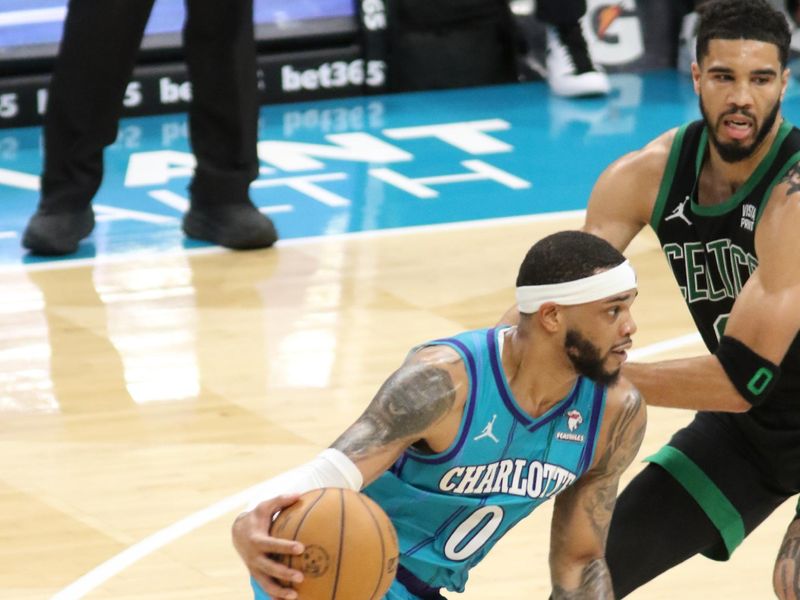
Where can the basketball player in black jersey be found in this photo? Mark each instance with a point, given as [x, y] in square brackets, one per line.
[723, 196]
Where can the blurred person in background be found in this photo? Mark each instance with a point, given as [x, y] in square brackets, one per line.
[94, 64]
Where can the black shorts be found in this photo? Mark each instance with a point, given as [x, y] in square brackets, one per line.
[734, 475]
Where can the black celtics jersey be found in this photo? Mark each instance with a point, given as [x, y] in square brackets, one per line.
[711, 249]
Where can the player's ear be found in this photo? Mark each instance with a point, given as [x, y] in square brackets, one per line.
[696, 77]
[550, 316]
[785, 81]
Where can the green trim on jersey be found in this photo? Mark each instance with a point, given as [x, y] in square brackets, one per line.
[711, 499]
[666, 179]
[744, 191]
[701, 152]
[793, 160]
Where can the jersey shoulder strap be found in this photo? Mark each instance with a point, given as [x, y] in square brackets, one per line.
[787, 156]
[678, 178]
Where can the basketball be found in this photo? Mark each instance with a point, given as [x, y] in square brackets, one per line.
[350, 545]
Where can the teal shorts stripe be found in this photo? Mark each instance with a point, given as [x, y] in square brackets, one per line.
[711, 499]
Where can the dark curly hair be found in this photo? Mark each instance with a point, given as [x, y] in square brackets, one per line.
[567, 256]
[742, 20]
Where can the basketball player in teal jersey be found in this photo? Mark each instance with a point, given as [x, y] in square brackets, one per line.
[723, 196]
[474, 432]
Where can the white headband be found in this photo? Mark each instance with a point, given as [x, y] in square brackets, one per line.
[589, 289]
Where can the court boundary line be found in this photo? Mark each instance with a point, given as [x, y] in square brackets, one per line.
[155, 541]
[664, 346]
[71, 263]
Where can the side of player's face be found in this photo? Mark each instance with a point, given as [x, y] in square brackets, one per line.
[597, 341]
[740, 84]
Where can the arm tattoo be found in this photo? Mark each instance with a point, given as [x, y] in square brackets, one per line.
[590, 503]
[411, 400]
[792, 178]
[625, 437]
[786, 578]
[595, 584]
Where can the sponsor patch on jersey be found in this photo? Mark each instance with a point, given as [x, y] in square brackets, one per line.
[748, 219]
[574, 420]
[570, 437]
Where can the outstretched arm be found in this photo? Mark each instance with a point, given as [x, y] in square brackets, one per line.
[583, 512]
[765, 316]
[408, 407]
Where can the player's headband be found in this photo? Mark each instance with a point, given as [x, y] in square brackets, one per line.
[589, 289]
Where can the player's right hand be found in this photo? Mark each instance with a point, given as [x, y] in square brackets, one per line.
[254, 544]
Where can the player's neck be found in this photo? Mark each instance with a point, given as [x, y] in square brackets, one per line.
[539, 374]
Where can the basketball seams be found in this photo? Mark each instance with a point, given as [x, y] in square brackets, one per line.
[330, 522]
[341, 543]
[383, 545]
[300, 524]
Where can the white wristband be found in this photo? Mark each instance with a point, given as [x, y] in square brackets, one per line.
[330, 468]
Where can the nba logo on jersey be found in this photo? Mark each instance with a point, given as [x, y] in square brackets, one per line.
[574, 420]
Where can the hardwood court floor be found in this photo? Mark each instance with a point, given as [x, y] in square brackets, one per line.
[139, 392]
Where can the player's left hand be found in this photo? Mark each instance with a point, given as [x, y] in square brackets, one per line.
[255, 545]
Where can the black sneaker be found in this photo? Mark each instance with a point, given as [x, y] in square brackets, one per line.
[56, 233]
[239, 226]
[570, 70]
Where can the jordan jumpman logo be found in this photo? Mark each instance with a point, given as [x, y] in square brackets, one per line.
[487, 431]
[679, 212]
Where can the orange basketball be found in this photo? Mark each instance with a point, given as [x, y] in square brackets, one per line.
[350, 545]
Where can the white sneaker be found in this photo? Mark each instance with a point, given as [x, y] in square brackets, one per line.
[687, 42]
[570, 70]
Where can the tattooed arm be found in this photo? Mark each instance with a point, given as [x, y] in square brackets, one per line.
[421, 402]
[786, 577]
[765, 315]
[411, 406]
[583, 512]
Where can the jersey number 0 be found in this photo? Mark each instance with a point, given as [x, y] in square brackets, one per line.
[471, 535]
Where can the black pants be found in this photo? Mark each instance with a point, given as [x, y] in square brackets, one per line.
[94, 64]
[660, 522]
[560, 13]
[436, 44]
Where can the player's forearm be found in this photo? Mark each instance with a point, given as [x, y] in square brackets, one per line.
[697, 383]
[786, 576]
[591, 581]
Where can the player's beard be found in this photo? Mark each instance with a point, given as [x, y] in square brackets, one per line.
[734, 151]
[587, 359]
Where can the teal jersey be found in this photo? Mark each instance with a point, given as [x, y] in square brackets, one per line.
[450, 508]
